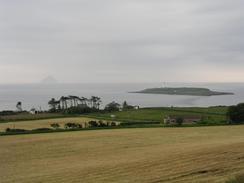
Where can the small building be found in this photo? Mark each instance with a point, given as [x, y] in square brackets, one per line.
[113, 116]
[137, 107]
[33, 111]
[173, 120]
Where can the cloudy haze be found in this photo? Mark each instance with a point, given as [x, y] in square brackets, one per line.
[121, 40]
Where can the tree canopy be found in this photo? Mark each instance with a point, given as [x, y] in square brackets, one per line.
[236, 113]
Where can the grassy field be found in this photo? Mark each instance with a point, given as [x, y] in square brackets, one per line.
[210, 115]
[45, 123]
[171, 155]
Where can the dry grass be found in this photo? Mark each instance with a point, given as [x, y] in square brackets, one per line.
[207, 154]
[45, 123]
[237, 179]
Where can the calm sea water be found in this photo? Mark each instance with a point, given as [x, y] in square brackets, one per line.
[37, 95]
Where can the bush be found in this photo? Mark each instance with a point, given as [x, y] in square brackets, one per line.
[236, 113]
[126, 106]
[93, 124]
[98, 124]
[179, 121]
[55, 125]
[113, 124]
[102, 124]
[113, 106]
[72, 126]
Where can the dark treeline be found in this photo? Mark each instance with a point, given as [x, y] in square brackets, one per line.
[236, 114]
[80, 105]
[75, 105]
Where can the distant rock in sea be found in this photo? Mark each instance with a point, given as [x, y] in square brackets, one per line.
[49, 80]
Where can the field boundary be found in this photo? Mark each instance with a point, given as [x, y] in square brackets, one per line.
[187, 111]
[37, 119]
[112, 128]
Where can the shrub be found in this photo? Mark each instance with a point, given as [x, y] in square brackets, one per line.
[126, 106]
[72, 126]
[55, 125]
[93, 124]
[102, 124]
[236, 113]
[179, 121]
[113, 106]
[113, 124]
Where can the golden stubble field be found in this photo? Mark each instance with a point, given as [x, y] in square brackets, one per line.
[206, 154]
[44, 123]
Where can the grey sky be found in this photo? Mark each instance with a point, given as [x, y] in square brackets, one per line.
[121, 40]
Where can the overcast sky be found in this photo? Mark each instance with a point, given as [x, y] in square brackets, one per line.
[122, 40]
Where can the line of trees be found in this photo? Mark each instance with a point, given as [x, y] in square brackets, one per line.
[74, 104]
[79, 105]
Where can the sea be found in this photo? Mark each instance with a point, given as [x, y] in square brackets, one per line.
[38, 95]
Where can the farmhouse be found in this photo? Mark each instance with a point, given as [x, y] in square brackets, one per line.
[33, 111]
[182, 119]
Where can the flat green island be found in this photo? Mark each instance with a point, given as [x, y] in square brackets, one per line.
[183, 91]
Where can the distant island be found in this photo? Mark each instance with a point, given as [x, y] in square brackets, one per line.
[49, 80]
[183, 91]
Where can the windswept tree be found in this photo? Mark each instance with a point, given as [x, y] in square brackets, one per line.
[113, 106]
[95, 102]
[71, 101]
[19, 106]
[75, 105]
[62, 102]
[83, 101]
[125, 106]
[89, 102]
[53, 104]
[76, 100]
[66, 99]
[98, 102]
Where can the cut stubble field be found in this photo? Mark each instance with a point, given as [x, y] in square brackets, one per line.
[200, 154]
[43, 123]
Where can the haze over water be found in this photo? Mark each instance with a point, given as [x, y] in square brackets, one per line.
[38, 95]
